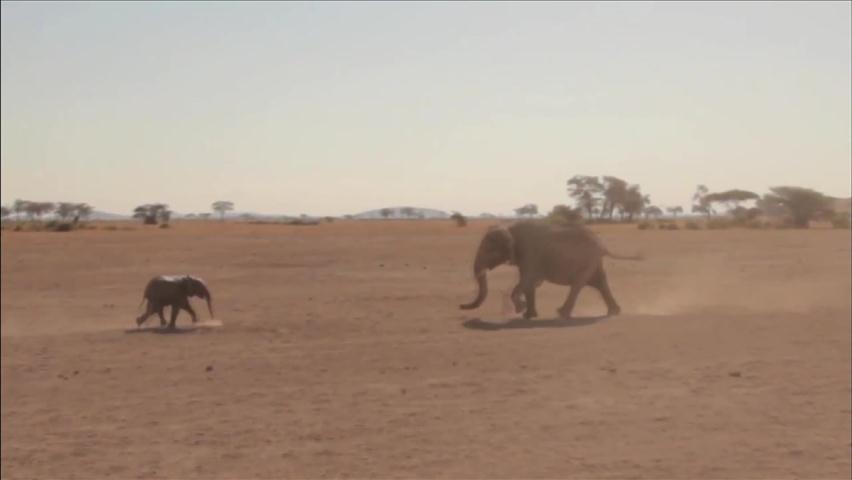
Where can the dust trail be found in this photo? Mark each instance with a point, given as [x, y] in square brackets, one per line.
[715, 282]
[211, 323]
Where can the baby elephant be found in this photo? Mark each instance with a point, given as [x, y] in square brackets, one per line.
[174, 291]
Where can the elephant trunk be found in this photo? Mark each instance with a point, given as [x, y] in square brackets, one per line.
[482, 283]
[205, 293]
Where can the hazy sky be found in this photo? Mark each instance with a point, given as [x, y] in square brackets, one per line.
[332, 108]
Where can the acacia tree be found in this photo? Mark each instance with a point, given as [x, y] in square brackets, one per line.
[565, 214]
[699, 201]
[5, 211]
[65, 209]
[164, 214]
[614, 192]
[652, 211]
[803, 204]
[152, 213]
[408, 212]
[386, 212]
[20, 206]
[634, 202]
[221, 207]
[769, 206]
[143, 212]
[675, 211]
[460, 219]
[584, 189]
[529, 209]
[37, 209]
[730, 198]
[83, 210]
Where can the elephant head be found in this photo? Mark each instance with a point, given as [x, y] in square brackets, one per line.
[496, 248]
[195, 287]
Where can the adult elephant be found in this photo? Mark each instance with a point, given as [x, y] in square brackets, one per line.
[175, 292]
[564, 255]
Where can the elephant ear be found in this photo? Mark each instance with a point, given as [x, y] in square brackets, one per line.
[504, 236]
[186, 285]
[510, 244]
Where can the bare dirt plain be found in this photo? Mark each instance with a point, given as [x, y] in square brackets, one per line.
[344, 354]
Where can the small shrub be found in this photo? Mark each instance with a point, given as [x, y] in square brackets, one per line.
[460, 219]
[600, 221]
[165, 225]
[670, 226]
[644, 225]
[692, 225]
[565, 215]
[57, 226]
[329, 219]
[301, 222]
[18, 228]
[840, 220]
[109, 227]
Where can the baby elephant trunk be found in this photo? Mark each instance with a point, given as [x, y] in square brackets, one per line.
[482, 283]
[205, 294]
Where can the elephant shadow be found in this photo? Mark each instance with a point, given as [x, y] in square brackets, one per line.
[162, 330]
[479, 324]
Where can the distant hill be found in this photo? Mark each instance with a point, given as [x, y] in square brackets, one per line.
[234, 216]
[396, 212]
[98, 215]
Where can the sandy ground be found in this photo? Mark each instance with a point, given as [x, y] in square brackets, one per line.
[343, 354]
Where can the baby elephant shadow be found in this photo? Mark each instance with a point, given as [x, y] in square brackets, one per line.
[477, 324]
[162, 330]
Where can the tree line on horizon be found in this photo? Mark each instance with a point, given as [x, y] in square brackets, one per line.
[596, 199]
[610, 199]
[36, 210]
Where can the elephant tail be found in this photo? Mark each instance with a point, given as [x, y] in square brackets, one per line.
[616, 256]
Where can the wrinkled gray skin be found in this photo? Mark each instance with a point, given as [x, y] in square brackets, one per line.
[173, 291]
[564, 255]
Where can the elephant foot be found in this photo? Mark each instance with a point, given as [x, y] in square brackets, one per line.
[530, 314]
[563, 313]
[613, 311]
[520, 305]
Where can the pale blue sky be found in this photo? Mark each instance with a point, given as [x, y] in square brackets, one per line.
[331, 108]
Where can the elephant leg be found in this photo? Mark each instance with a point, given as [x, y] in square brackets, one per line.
[583, 279]
[566, 308]
[186, 306]
[160, 314]
[149, 310]
[520, 305]
[600, 282]
[579, 282]
[529, 292]
[175, 311]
